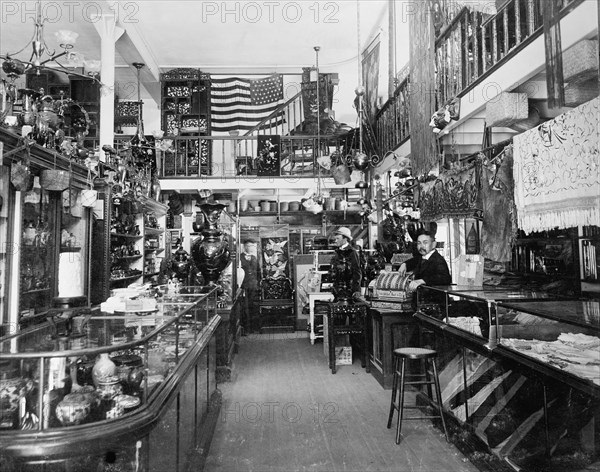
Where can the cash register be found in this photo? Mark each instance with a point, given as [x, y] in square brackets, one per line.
[389, 290]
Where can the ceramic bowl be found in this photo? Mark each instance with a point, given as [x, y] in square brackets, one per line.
[74, 408]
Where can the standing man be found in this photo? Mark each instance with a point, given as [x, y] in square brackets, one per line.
[348, 283]
[250, 284]
[429, 267]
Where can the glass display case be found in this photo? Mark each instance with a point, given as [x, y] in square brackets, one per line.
[4, 243]
[89, 383]
[519, 371]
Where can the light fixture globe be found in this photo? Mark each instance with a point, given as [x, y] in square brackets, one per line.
[361, 184]
[359, 90]
[360, 161]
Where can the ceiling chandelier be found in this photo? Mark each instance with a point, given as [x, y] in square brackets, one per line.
[41, 58]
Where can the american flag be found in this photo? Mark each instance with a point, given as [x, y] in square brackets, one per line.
[240, 104]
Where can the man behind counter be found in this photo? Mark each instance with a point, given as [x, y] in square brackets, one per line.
[429, 267]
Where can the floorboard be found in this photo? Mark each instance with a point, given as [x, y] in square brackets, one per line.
[283, 411]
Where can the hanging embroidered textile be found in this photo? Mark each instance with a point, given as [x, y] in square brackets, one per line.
[557, 180]
[499, 225]
[454, 194]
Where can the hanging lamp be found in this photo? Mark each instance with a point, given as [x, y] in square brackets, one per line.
[360, 159]
[139, 144]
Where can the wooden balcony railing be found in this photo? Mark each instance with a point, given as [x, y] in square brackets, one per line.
[228, 156]
[475, 43]
[391, 123]
[468, 49]
[287, 118]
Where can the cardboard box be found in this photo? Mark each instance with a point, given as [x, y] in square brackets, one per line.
[470, 270]
[343, 355]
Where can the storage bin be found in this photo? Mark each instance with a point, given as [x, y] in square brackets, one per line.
[284, 206]
[580, 61]
[294, 206]
[506, 109]
[580, 92]
[265, 205]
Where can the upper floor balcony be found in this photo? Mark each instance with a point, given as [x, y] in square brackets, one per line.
[473, 54]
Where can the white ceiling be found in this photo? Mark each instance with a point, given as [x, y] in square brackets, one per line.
[217, 37]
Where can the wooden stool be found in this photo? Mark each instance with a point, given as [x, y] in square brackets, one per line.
[414, 353]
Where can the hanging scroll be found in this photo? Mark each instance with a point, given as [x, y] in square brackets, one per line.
[557, 183]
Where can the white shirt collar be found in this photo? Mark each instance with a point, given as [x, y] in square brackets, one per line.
[428, 255]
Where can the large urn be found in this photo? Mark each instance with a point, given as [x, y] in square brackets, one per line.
[181, 264]
[211, 252]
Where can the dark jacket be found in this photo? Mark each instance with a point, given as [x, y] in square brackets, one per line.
[434, 271]
[251, 271]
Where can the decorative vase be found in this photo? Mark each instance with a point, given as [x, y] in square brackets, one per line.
[130, 370]
[211, 253]
[103, 369]
[156, 190]
[109, 387]
[12, 388]
[29, 114]
[181, 264]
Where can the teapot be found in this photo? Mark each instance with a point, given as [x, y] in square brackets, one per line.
[47, 115]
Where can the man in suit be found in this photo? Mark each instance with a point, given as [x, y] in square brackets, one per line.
[250, 284]
[429, 267]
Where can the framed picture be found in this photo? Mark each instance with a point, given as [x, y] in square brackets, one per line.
[275, 257]
[268, 160]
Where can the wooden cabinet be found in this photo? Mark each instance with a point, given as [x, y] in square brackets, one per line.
[5, 195]
[124, 249]
[185, 108]
[43, 237]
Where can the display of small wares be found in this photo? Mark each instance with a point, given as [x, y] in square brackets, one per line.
[109, 388]
[104, 369]
[12, 389]
[115, 411]
[130, 370]
[127, 402]
[74, 408]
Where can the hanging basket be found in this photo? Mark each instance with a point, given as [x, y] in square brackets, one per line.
[89, 195]
[341, 174]
[21, 177]
[54, 180]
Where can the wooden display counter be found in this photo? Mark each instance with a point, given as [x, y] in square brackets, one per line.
[175, 389]
[391, 329]
[520, 377]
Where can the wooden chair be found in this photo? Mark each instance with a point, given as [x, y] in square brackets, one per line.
[277, 307]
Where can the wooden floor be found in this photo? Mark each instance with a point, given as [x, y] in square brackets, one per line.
[284, 411]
